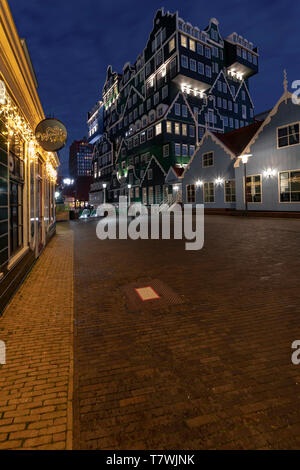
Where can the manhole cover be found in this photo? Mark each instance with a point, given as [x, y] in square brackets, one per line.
[148, 294]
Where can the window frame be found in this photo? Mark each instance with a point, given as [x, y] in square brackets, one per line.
[290, 192]
[282, 127]
[261, 189]
[213, 159]
[188, 193]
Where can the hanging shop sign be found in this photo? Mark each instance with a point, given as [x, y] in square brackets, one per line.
[2, 92]
[51, 134]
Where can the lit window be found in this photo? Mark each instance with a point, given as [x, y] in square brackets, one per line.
[192, 45]
[253, 188]
[183, 40]
[172, 45]
[158, 129]
[289, 186]
[184, 129]
[169, 127]
[177, 128]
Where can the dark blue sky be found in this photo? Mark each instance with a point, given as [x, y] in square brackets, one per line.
[71, 43]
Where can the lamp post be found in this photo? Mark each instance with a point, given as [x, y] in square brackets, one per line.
[104, 193]
[129, 188]
[244, 159]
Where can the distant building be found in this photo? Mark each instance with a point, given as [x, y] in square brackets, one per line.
[95, 123]
[184, 81]
[80, 158]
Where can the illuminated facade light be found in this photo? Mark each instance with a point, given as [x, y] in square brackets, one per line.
[219, 181]
[269, 172]
[188, 90]
[245, 157]
[199, 183]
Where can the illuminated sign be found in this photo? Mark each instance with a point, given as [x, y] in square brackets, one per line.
[51, 134]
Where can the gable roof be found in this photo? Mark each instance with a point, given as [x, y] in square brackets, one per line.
[174, 173]
[153, 158]
[238, 139]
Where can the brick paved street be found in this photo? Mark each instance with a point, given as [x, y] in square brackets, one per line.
[212, 372]
[36, 384]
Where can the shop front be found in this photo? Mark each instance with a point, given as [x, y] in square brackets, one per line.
[27, 171]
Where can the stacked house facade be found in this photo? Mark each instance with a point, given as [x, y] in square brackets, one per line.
[185, 81]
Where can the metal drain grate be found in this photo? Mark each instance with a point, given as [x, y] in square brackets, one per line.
[148, 294]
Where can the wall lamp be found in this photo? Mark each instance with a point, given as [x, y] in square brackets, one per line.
[269, 172]
[219, 181]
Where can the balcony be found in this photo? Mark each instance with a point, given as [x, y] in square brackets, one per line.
[243, 61]
[196, 86]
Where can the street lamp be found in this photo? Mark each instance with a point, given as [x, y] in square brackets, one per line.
[244, 159]
[129, 187]
[104, 193]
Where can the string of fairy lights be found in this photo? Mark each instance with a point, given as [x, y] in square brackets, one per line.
[16, 123]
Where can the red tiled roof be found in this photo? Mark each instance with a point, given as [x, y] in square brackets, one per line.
[178, 171]
[238, 139]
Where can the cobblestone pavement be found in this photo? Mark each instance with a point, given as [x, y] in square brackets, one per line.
[36, 384]
[213, 372]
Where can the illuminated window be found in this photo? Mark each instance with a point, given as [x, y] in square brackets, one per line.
[192, 45]
[253, 188]
[158, 129]
[172, 45]
[184, 129]
[177, 128]
[289, 186]
[183, 40]
[169, 127]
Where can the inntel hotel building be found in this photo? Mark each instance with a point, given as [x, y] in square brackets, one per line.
[156, 111]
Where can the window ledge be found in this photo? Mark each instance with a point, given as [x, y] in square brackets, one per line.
[13, 261]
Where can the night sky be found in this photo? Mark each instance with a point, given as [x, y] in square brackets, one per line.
[71, 43]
